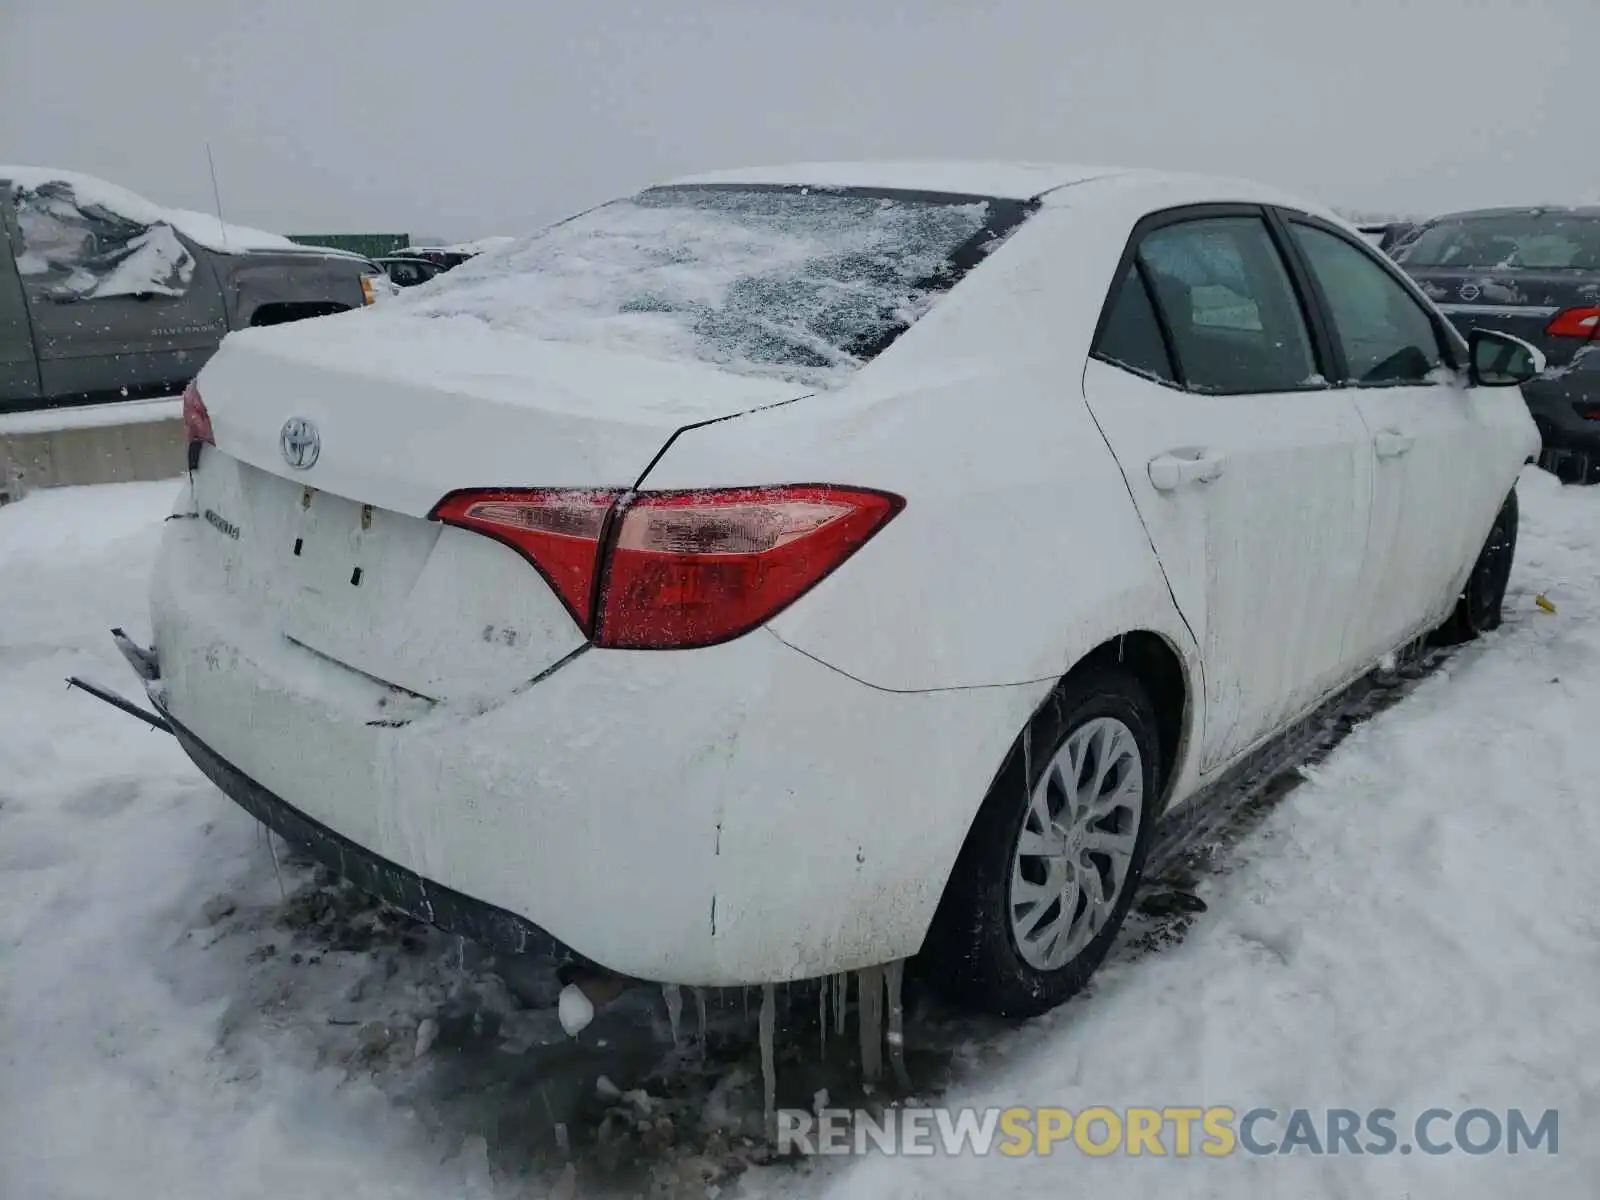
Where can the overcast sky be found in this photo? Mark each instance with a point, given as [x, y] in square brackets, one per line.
[470, 117]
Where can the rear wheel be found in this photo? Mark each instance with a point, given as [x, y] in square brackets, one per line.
[1049, 868]
[1480, 606]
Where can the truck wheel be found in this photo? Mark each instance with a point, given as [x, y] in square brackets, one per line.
[1049, 868]
[1478, 610]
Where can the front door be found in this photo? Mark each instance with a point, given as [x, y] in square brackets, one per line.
[1433, 436]
[1251, 474]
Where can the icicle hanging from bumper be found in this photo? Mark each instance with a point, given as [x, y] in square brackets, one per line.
[674, 997]
[869, 1010]
[769, 1069]
[893, 978]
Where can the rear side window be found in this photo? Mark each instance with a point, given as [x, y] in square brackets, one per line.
[1386, 334]
[1236, 324]
[1131, 337]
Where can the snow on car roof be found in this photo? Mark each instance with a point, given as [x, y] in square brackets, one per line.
[1004, 180]
[196, 226]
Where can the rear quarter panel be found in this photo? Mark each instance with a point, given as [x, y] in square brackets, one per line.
[1019, 549]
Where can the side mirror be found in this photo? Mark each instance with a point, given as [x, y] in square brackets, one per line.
[1500, 360]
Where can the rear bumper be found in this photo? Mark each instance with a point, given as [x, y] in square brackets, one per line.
[734, 815]
[389, 882]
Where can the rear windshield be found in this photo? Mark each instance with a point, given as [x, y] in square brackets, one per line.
[1532, 241]
[796, 283]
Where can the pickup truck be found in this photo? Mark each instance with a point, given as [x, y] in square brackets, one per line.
[105, 295]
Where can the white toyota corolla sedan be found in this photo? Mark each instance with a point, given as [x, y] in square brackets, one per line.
[787, 571]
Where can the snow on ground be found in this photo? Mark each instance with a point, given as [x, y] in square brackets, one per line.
[88, 416]
[1412, 928]
[112, 1009]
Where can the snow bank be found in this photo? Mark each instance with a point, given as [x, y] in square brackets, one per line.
[88, 416]
[205, 229]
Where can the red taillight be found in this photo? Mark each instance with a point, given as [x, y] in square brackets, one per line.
[557, 530]
[678, 569]
[196, 420]
[695, 568]
[1575, 323]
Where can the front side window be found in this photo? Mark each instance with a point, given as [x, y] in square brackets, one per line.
[1387, 336]
[73, 251]
[802, 284]
[1236, 323]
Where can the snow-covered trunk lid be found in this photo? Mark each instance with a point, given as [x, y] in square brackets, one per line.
[407, 409]
[332, 547]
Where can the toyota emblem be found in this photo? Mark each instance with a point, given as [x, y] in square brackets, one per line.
[301, 443]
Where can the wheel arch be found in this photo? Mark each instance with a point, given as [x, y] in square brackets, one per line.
[1160, 668]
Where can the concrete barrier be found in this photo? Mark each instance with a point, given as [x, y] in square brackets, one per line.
[103, 443]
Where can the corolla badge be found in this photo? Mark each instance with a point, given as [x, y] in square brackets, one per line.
[301, 443]
[1470, 292]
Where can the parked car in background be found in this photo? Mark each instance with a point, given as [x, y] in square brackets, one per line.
[452, 256]
[104, 295]
[441, 257]
[787, 571]
[1533, 272]
[408, 272]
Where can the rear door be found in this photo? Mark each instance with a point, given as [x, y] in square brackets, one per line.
[117, 307]
[19, 373]
[1443, 453]
[1251, 473]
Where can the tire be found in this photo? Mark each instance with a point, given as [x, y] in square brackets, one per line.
[1479, 607]
[979, 951]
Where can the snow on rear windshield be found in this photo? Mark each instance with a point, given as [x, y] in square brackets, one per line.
[793, 283]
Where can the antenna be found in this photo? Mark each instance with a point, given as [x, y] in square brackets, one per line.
[216, 195]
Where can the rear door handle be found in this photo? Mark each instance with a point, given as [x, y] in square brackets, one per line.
[1190, 464]
[1391, 443]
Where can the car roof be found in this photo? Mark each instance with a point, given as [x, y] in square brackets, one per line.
[1520, 210]
[1019, 180]
[1004, 180]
